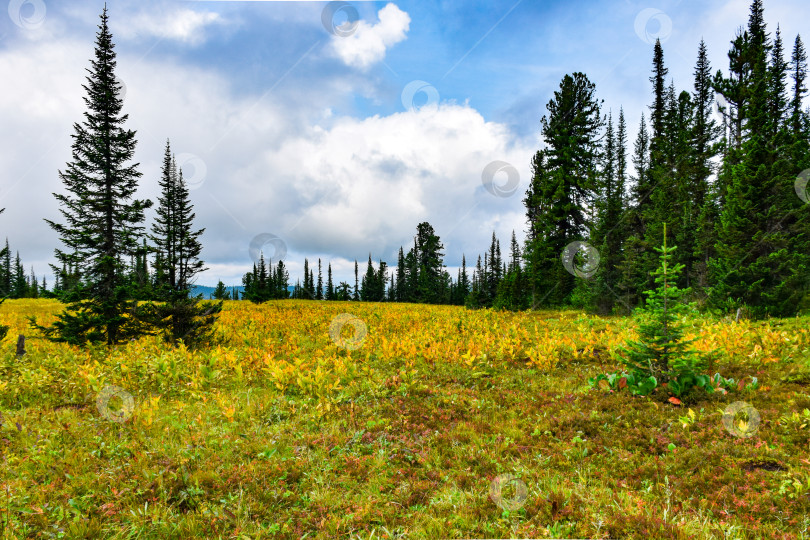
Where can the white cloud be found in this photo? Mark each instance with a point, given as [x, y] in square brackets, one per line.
[368, 44]
[367, 182]
[182, 24]
[336, 190]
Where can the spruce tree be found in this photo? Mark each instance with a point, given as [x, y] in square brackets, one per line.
[400, 289]
[307, 291]
[609, 230]
[281, 281]
[330, 288]
[562, 187]
[319, 290]
[428, 265]
[173, 233]
[661, 350]
[798, 74]
[5, 266]
[4, 254]
[463, 281]
[367, 288]
[220, 292]
[102, 221]
[705, 145]
[179, 247]
[761, 260]
[356, 295]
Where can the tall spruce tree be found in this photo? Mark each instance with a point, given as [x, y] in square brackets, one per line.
[705, 136]
[562, 187]
[103, 223]
[609, 231]
[330, 287]
[430, 278]
[798, 68]
[179, 246]
[356, 295]
[319, 290]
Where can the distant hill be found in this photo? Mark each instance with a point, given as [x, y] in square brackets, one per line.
[207, 291]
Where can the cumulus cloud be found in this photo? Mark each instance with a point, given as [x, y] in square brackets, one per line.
[366, 183]
[369, 43]
[181, 24]
[330, 186]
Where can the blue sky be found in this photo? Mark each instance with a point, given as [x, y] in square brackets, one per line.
[285, 128]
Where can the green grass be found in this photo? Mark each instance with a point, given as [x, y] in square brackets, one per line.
[411, 453]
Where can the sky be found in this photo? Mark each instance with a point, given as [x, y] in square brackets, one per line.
[331, 129]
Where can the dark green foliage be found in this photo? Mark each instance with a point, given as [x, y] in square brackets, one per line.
[661, 351]
[761, 258]
[103, 223]
[178, 247]
[3, 255]
[611, 228]
[330, 287]
[372, 288]
[563, 184]
[14, 283]
[221, 293]
[319, 290]
[266, 283]
[187, 320]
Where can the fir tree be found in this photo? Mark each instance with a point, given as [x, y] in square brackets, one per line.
[179, 246]
[798, 74]
[356, 295]
[220, 292]
[319, 290]
[102, 223]
[330, 288]
[562, 187]
[308, 290]
[609, 233]
[760, 261]
[5, 257]
[661, 350]
[400, 288]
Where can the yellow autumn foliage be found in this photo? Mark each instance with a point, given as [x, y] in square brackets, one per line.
[286, 345]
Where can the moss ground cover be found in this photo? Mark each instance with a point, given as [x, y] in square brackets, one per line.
[359, 420]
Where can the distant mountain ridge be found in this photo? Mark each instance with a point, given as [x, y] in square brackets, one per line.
[207, 291]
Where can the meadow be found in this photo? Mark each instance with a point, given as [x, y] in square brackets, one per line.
[409, 421]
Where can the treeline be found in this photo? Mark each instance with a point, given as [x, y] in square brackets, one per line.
[727, 191]
[14, 282]
[419, 276]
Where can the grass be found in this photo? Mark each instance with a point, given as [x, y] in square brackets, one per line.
[281, 433]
